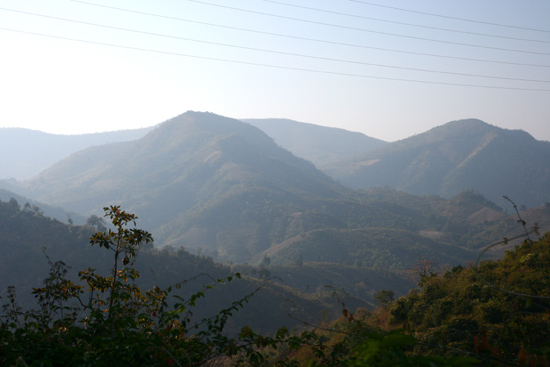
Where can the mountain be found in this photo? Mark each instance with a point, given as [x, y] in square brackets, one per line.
[223, 188]
[25, 153]
[460, 155]
[318, 144]
[199, 153]
[196, 166]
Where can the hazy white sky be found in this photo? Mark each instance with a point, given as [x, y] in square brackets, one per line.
[389, 69]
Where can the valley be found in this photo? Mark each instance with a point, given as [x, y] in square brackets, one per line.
[314, 228]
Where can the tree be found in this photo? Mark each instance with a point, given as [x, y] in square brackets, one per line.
[265, 261]
[96, 222]
[13, 206]
[385, 298]
[108, 319]
[422, 269]
[122, 241]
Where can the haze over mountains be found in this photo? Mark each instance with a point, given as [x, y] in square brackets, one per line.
[318, 144]
[460, 155]
[224, 187]
[466, 154]
[26, 153]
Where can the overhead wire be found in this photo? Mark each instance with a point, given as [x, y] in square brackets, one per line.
[369, 30]
[313, 39]
[451, 17]
[406, 24]
[274, 51]
[274, 66]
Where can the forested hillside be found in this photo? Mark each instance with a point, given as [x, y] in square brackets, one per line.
[31, 242]
[491, 314]
[499, 307]
[48, 210]
[466, 316]
[223, 188]
[460, 155]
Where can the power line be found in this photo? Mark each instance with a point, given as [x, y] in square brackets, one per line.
[273, 66]
[314, 39]
[407, 24]
[449, 17]
[370, 31]
[276, 52]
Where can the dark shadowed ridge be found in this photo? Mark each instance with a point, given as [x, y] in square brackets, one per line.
[460, 155]
[48, 210]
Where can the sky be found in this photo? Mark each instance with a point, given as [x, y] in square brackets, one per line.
[389, 69]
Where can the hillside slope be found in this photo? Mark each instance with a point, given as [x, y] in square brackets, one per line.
[194, 165]
[223, 188]
[318, 144]
[460, 155]
[29, 241]
[25, 153]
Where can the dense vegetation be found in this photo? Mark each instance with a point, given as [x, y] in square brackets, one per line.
[501, 306]
[222, 189]
[492, 314]
[27, 237]
[495, 313]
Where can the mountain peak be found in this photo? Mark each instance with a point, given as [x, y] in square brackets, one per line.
[470, 127]
[456, 156]
[455, 129]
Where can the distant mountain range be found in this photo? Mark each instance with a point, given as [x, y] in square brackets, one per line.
[318, 144]
[194, 168]
[460, 155]
[25, 153]
[457, 156]
[224, 188]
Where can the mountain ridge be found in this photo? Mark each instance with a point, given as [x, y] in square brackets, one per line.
[218, 185]
[32, 151]
[319, 144]
[188, 163]
[460, 155]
